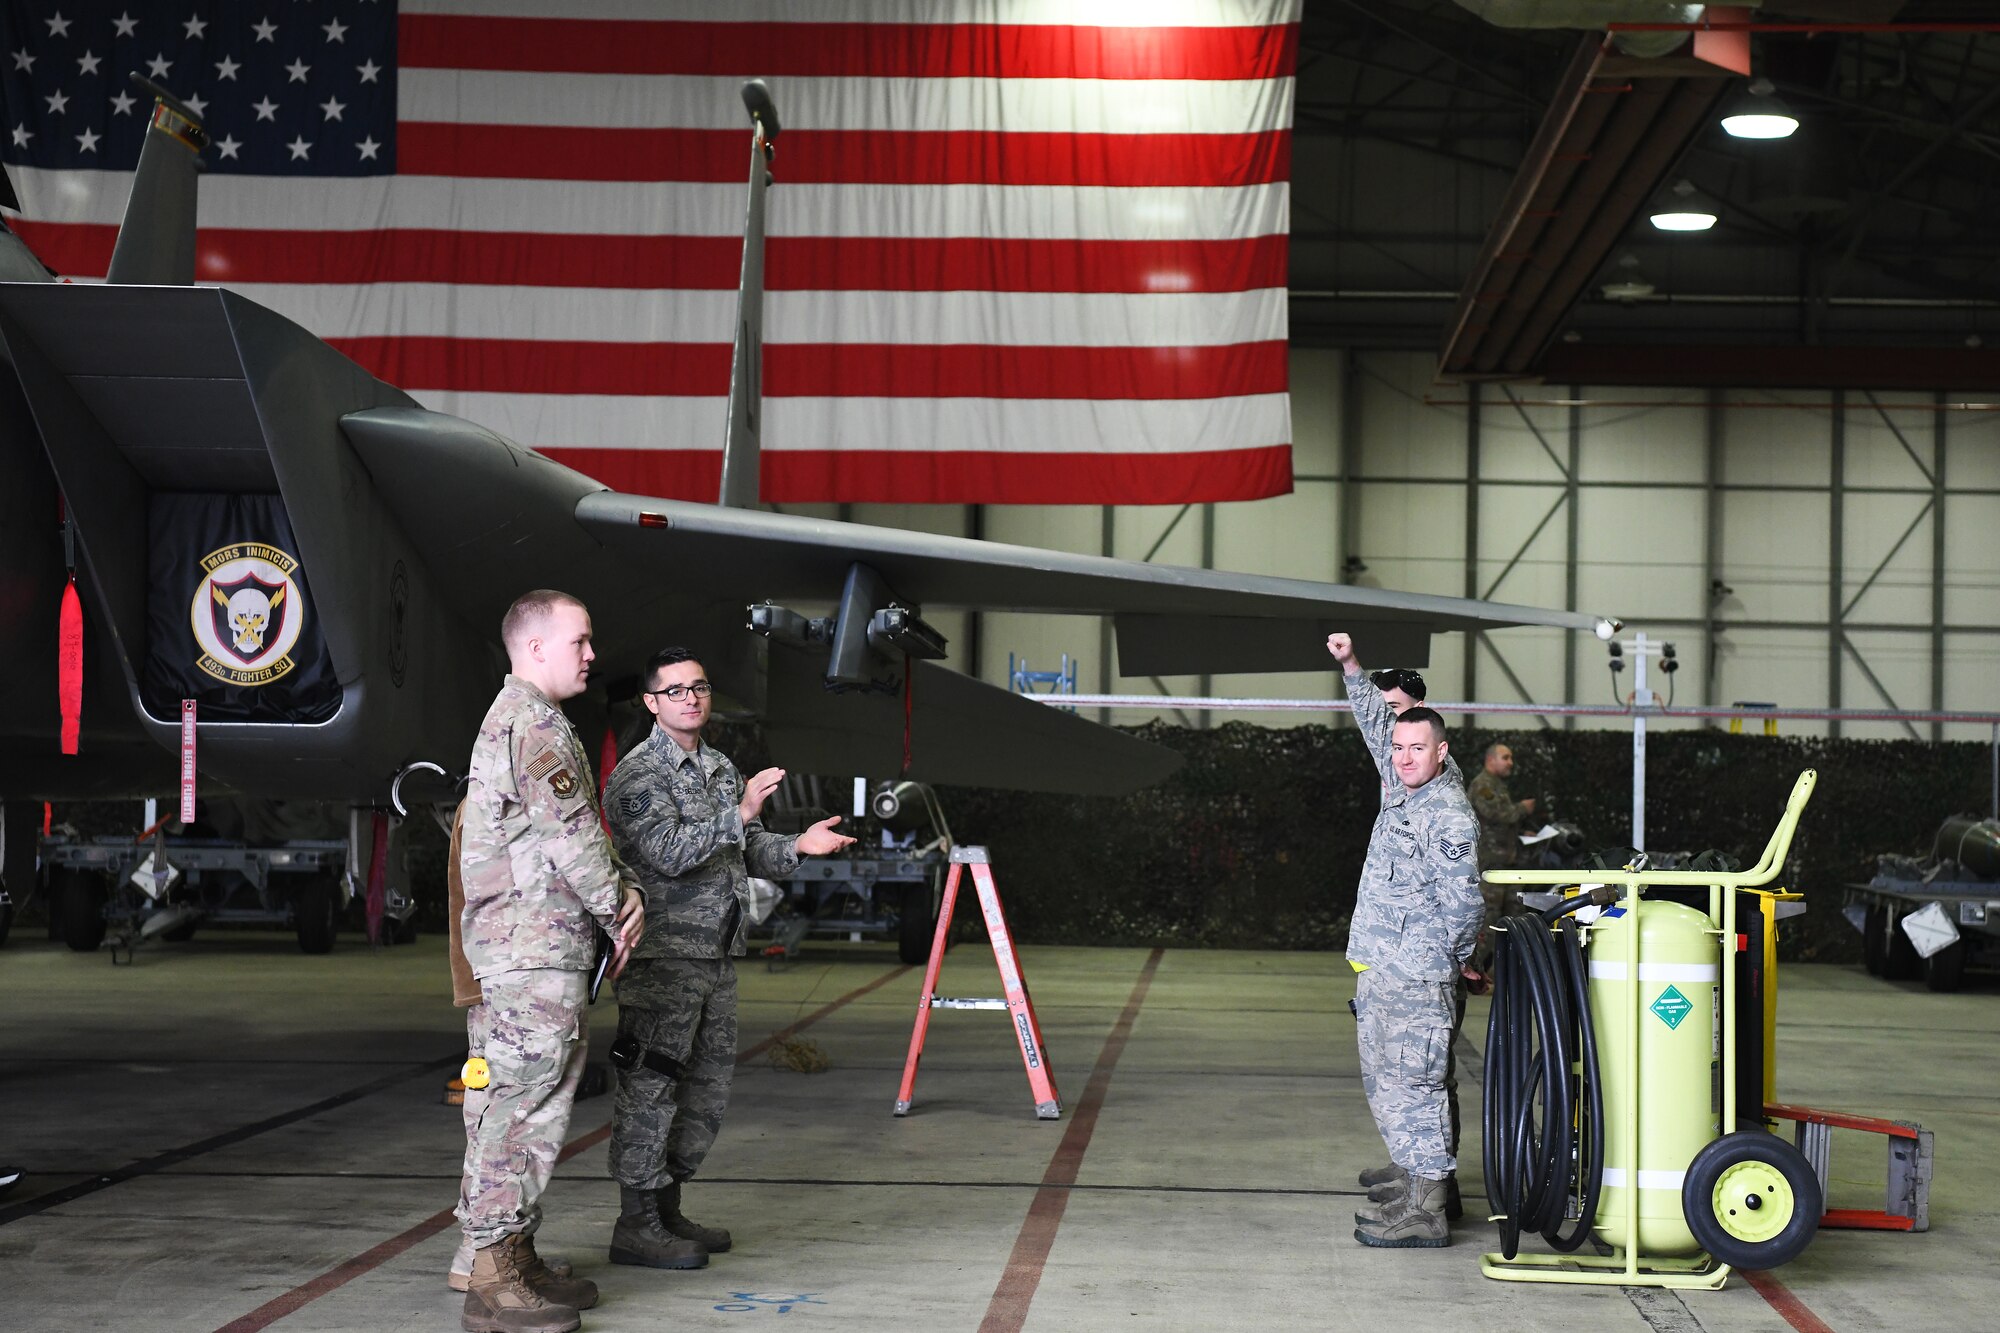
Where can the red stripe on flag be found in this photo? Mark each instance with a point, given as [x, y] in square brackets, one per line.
[797, 370]
[857, 50]
[864, 476]
[812, 370]
[844, 157]
[76, 249]
[693, 263]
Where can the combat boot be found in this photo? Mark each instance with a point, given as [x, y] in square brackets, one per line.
[499, 1299]
[640, 1239]
[459, 1276]
[1381, 1175]
[1415, 1221]
[713, 1239]
[578, 1293]
[1390, 1191]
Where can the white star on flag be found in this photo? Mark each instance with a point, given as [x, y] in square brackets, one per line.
[299, 148]
[368, 71]
[88, 62]
[266, 110]
[267, 31]
[333, 106]
[227, 145]
[123, 103]
[22, 60]
[159, 65]
[369, 148]
[198, 105]
[335, 31]
[127, 25]
[87, 141]
[298, 69]
[195, 26]
[21, 136]
[58, 26]
[58, 102]
[226, 68]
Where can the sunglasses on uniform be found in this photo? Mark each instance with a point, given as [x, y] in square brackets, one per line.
[1398, 678]
[700, 689]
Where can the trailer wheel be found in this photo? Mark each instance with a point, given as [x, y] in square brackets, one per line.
[1875, 941]
[79, 897]
[1752, 1200]
[916, 924]
[1904, 963]
[1945, 969]
[316, 909]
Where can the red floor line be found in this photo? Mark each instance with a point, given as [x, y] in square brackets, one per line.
[1008, 1309]
[1780, 1298]
[343, 1273]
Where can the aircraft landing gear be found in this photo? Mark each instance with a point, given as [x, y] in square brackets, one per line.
[316, 912]
[78, 897]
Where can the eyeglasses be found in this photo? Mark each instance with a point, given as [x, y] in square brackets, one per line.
[701, 689]
[1399, 678]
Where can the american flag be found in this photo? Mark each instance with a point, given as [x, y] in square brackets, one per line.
[1021, 252]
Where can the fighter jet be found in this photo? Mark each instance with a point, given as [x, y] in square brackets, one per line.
[320, 564]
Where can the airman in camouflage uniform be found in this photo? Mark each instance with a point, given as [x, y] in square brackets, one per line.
[1403, 689]
[1500, 815]
[539, 879]
[686, 821]
[1500, 818]
[1416, 917]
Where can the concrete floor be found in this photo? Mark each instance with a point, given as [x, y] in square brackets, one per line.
[277, 1154]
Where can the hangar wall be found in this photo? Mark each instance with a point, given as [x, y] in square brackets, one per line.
[1789, 547]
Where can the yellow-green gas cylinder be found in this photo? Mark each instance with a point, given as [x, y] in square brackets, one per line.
[1678, 1053]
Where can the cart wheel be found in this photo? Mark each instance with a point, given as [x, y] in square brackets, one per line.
[916, 923]
[1945, 969]
[1752, 1200]
[316, 909]
[1875, 941]
[79, 897]
[1904, 963]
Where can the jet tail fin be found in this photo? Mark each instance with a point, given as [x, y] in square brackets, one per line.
[156, 240]
[741, 448]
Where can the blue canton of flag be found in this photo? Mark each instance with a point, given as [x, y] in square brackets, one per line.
[283, 89]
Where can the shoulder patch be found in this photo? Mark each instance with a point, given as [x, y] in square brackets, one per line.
[1455, 851]
[563, 783]
[635, 804]
[541, 763]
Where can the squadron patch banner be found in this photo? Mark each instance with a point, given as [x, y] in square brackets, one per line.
[230, 618]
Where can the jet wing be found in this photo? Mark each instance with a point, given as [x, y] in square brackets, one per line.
[1169, 620]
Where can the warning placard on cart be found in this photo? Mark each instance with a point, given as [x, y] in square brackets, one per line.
[1672, 1007]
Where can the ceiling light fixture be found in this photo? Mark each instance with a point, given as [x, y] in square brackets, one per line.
[1758, 113]
[1681, 207]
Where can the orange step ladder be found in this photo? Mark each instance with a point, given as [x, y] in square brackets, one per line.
[1907, 1191]
[1027, 1031]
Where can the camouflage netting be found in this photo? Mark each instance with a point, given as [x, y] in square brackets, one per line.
[1257, 841]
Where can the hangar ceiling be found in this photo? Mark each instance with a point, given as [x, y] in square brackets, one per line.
[1473, 189]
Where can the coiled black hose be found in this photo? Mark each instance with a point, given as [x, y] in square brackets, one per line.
[1543, 1111]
